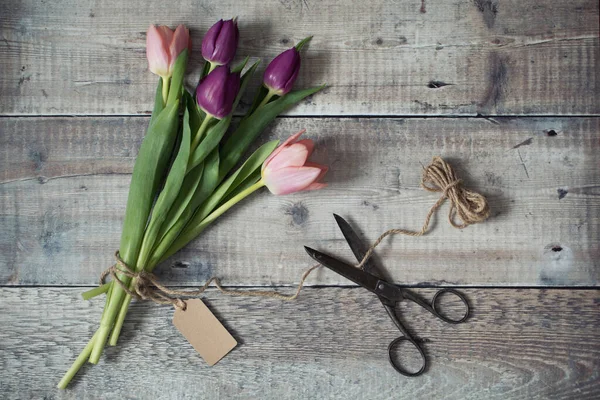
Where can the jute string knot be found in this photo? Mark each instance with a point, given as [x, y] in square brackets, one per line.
[468, 206]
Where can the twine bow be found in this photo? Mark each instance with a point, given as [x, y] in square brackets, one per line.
[468, 206]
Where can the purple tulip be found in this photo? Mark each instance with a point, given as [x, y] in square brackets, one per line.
[216, 92]
[282, 72]
[220, 42]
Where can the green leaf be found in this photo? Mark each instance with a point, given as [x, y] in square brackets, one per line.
[251, 180]
[169, 192]
[253, 125]
[252, 164]
[260, 95]
[176, 89]
[240, 66]
[148, 171]
[209, 181]
[188, 188]
[213, 136]
[244, 83]
[304, 41]
[207, 185]
[205, 69]
[196, 115]
[226, 188]
[158, 101]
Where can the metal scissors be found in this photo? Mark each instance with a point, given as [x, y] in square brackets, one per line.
[373, 279]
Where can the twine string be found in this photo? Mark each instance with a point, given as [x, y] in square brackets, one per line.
[146, 286]
[468, 206]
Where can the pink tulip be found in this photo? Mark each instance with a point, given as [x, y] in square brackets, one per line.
[287, 171]
[163, 46]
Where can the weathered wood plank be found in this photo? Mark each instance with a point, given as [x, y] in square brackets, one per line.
[379, 57]
[330, 343]
[65, 183]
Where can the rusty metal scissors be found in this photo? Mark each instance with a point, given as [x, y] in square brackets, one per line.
[372, 279]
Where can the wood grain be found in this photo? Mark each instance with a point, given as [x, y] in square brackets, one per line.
[65, 182]
[407, 57]
[330, 343]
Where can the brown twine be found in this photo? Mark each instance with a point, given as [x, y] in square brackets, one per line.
[468, 206]
[146, 286]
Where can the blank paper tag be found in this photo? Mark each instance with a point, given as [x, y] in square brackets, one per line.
[204, 331]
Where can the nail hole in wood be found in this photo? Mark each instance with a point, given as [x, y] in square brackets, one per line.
[556, 248]
[436, 84]
[551, 132]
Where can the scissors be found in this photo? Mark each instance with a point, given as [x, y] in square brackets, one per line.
[373, 279]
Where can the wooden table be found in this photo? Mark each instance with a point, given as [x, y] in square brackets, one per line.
[507, 91]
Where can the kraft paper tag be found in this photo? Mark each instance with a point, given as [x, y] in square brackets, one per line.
[204, 331]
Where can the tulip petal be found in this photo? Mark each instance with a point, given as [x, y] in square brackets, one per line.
[157, 49]
[216, 92]
[291, 156]
[309, 144]
[226, 43]
[290, 179]
[180, 42]
[324, 169]
[315, 186]
[208, 43]
[290, 82]
[281, 73]
[291, 139]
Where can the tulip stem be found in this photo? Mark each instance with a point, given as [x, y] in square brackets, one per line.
[226, 206]
[114, 300]
[77, 364]
[165, 88]
[212, 66]
[200, 133]
[268, 97]
[95, 291]
[114, 335]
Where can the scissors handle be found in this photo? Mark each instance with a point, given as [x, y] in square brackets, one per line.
[434, 306]
[396, 363]
[440, 315]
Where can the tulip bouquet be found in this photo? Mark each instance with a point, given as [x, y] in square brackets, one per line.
[183, 177]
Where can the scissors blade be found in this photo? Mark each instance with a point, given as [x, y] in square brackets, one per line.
[350, 272]
[357, 246]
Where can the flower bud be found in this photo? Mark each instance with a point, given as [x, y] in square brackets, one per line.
[287, 170]
[217, 91]
[163, 46]
[220, 42]
[282, 72]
